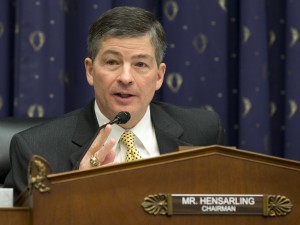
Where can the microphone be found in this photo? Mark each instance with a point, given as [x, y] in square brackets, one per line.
[121, 118]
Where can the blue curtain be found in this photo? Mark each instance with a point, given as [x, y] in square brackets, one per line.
[238, 58]
[292, 80]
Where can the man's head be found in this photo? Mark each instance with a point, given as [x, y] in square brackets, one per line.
[126, 49]
[127, 22]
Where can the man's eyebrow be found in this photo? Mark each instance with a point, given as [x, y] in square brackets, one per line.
[142, 56]
[107, 52]
[116, 53]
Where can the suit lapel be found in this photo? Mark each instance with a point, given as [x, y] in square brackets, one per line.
[85, 130]
[168, 131]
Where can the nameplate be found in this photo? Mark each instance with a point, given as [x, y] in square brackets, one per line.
[217, 204]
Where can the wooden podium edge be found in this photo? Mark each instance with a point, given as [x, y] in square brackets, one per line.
[191, 152]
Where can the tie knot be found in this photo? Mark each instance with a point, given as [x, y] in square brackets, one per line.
[128, 138]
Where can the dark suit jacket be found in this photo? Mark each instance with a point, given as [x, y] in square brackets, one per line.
[64, 141]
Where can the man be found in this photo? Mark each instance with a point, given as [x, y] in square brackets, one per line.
[126, 47]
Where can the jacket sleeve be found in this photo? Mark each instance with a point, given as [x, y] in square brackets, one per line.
[20, 156]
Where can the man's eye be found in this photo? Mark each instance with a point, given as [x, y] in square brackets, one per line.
[141, 64]
[111, 62]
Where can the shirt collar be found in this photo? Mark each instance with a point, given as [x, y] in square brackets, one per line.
[144, 130]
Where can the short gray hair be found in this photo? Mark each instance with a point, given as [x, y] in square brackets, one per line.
[127, 22]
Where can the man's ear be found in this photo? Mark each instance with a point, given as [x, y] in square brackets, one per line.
[88, 63]
[160, 75]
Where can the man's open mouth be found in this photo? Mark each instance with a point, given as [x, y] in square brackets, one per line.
[124, 95]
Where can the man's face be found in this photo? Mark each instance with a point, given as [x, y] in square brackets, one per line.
[125, 76]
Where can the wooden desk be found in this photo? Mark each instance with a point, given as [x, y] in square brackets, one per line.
[15, 216]
[113, 195]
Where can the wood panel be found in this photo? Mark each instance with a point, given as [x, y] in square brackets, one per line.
[15, 216]
[113, 195]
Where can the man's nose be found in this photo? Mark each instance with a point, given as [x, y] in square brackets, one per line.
[126, 75]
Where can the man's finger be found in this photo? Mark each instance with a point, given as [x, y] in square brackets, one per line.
[99, 140]
[109, 155]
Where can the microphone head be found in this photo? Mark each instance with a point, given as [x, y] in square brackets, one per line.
[123, 117]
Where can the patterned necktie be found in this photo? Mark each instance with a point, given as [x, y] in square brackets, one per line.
[128, 139]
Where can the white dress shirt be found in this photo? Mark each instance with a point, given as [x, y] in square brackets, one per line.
[145, 139]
